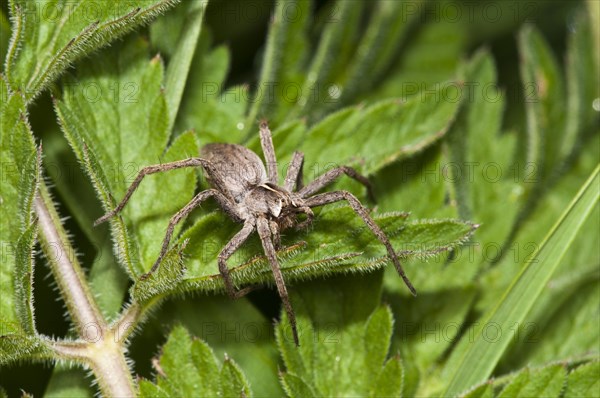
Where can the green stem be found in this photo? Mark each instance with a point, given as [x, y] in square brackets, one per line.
[66, 269]
[99, 345]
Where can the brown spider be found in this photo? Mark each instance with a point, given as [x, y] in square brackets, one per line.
[250, 195]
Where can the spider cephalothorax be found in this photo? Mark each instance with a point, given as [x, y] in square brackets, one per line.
[249, 193]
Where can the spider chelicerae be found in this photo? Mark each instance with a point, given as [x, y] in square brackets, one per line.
[250, 195]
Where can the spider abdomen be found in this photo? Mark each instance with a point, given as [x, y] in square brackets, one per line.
[234, 169]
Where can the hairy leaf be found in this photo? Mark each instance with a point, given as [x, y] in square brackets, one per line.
[188, 367]
[295, 387]
[49, 35]
[388, 131]
[18, 183]
[342, 350]
[15, 346]
[545, 382]
[484, 390]
[112, 126]
[485, 177]
[584, 381]
[324, 250]
[545, 106]
[233, 327]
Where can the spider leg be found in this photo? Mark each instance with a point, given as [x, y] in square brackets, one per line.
[180, 215]
[331, 176]
[310, 216]
[262, 227]
[274, 227]
[192, 162]
[266, 141]
[230, 248]
[293, 178]
[336, 196]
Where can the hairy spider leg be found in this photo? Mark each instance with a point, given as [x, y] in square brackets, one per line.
[184, 212]
[293, 178]
[264, 232]
[192, 162]
[227, 251]
[266, 142]
[332, 175]
[337, 196]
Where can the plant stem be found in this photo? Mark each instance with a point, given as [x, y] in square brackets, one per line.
[106, 359]
[129, 319]
[66, 269]
[99, 345]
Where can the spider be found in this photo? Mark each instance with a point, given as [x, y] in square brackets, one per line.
[250, 195]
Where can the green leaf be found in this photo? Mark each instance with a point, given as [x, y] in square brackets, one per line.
[165, 32]
[582, 84]
[584, 382]
[325, 250]
[482, 174]
[563, 322]
[378, 333]
[19, 180]
[233, 381]
[379, 45]
[68, 382]
[41, 49]
[595, 27]
[429, 325]
[295, 387]
[16, 347]
[4, 35]
[331, 58]
[233, 327]
[343, 346]
[113, 128]
[24, 279]
[188, 367]
[544, 102]
[431, 56]
[545, 382]
[282, 62]
[147, 389]
[216, 113]
[178, 69]
[481, 355]
[390, 380]
[162, 282]
[388, 131]
[484, 390]
[418, 176]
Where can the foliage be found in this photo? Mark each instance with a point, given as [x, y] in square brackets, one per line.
[490, 201]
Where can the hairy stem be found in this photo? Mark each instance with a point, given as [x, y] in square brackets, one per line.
[99, 346]
[105, 356]
[66, 269]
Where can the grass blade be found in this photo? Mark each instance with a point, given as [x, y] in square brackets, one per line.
[482, 354]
